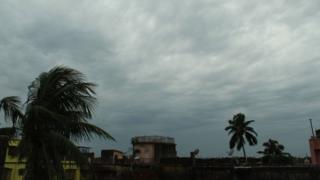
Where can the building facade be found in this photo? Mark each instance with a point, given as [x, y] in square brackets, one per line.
[14, 169]
[150, 149]
[314, 143]
[110, 156]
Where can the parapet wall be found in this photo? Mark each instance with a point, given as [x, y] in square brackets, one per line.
[220, 173]
[210, 169]
[153, 139]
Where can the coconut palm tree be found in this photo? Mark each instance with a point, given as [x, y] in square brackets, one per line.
[59, 104]
[241, 132]
[12, 114]
[272, 148]
[274, 153]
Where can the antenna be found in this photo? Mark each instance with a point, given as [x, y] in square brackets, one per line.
[311, 127]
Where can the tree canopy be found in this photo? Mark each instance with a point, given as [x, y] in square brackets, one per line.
[59, 104]
[241, 132]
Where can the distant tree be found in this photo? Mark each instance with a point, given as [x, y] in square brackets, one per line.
[59, 104]
[12, 114]
[272, 148]
[274, 152]
[241, 132]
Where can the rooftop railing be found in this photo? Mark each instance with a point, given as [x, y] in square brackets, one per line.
[153, 139]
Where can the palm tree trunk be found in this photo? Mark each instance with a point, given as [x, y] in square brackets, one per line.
[244, 153]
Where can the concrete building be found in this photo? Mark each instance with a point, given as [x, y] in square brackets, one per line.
[314, 142]
[150, 149]
[14, 169]
[110, 156]
[86, 151]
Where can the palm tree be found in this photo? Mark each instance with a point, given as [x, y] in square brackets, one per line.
[59, 104]
[12, 113]
[241, 132]
[272, 148]
[273, 153]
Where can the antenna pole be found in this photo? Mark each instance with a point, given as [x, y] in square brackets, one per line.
[311, 127]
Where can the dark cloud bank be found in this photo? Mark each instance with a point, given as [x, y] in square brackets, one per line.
[176, 68]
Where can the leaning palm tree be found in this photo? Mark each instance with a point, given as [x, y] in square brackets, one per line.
[59, 104]
[241, 132]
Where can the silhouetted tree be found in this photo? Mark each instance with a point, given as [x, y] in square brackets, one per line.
[241, 132]
[59, 104]
[274, 152]
[12, 114]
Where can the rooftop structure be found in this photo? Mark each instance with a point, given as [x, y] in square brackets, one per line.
[153, 139]
[110, 156]
[314, 142]
[150, 149]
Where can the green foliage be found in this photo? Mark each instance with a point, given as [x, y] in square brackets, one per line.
[241, 132]
[59, 104]
[273, 153]
[11, 107]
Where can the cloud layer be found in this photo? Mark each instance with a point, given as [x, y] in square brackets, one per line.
[176, 68]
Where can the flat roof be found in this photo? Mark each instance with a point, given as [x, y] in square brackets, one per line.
[153, 139]
[111, 150]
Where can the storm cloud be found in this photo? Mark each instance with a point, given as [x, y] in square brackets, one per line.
[176, 68]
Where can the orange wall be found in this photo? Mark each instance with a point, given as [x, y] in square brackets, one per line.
[315, 150]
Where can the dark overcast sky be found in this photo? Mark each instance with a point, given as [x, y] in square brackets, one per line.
[177, 68]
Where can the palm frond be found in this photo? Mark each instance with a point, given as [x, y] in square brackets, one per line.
[227, 128]
[64, 146]
[11, 108]
[84, 130]
[248, 122]
[250, 129]
[251, 138]
[233, 141]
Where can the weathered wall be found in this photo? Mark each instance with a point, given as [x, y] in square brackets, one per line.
[281, 173]
[146, 152]
[217, 173]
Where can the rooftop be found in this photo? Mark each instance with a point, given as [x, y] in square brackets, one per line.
[153, 139]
